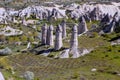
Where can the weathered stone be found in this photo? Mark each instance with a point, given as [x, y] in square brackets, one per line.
[5, 51]
[94, 15]
[50, 36]
[63, 24]
[87, 18]
[24, 21]
[29, 75]
[110, 27]
[44, 34]
[1, 76]
[105, 19]
[74, 43]
[64, 54]
[58, 38]
[82, 27]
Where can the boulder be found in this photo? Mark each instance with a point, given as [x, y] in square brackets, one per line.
[6, 51]
[28, 75]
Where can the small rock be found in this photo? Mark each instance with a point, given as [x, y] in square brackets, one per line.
[93, 70]
[29, 75]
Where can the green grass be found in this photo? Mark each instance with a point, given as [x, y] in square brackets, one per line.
[105, 59]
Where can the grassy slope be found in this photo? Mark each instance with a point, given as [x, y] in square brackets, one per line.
[104, 59]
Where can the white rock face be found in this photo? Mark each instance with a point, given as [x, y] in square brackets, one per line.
[74, 43]
[50, 36]
[111, 9]
[42, 12]
[58, 38]
[64, 54]
[77, 10]
[44, 34]
[82, 26]
[1, 76]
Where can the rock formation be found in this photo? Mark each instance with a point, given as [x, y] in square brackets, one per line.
[82, 26]
[58, 38]
[95, 14]
[1, 76]
[50, 36]
[24, 21]
[111, 26]
[29, 45]
[5, 51]
[74, 43]
[28, 75]
[44, 34]
[63, 25]
[105, 20]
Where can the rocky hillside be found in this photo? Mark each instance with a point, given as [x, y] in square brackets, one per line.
[51, 41]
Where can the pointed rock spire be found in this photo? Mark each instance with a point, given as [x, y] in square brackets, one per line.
[82, 27]
[58, 38]
[74, 43]
[50, 36]
[44, 34]
[63, 25]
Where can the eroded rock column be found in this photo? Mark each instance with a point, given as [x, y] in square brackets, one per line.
[50, 41]
[63, 24]
[74, 43]
[44, 34]
[58, 38]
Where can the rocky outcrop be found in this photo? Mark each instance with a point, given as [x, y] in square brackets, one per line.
[96, 11]
[110, 27]
[5, 51]
[9, 31]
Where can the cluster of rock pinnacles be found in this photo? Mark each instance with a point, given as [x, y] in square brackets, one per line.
[60, 33]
